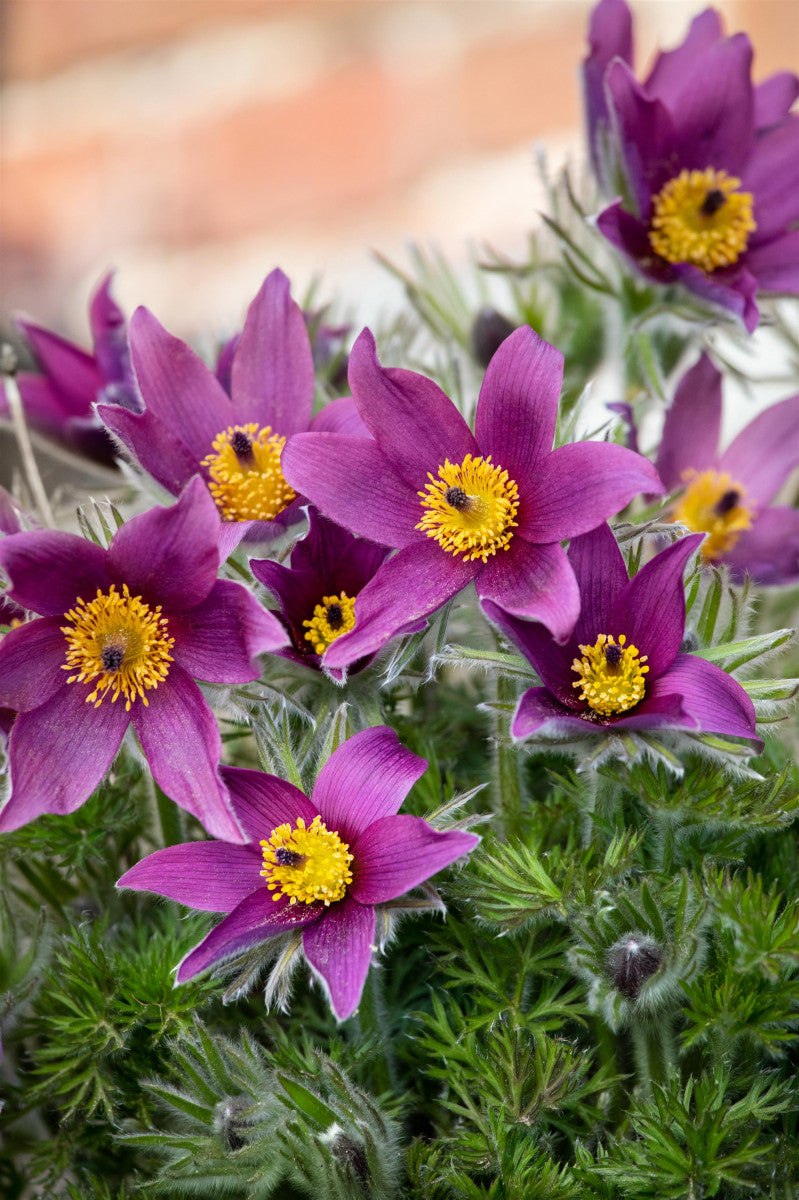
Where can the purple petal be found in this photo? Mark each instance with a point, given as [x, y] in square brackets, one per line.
[31, 658]
[351, 481]
[534, 582]
[177, 387]
[262, 802]
[518, 404]
[272, 380]
[734, 289]
[646, 132]
[255, 920]
[672, 68]
[9, 513]
[48, 571]
[774, 97]
[710, 696]
[415, 424]
[713, 108]
[659, 711]
[339, 949]
[774, 266]
[540, 712]
[367, 778]
[322, 546]
[651, 609]
[71, 370]
[631, 236]
[406, 589]
[772, 176]
[601, 575]
[181, 740]
[219, 640]
[211, 876]
[110, 335]
[763, 454]
[610, 35]
[580, 485]
[59, 753]
[170, 555]
[151, 443]
[551, 660]
[693, 424]
[396, 853]
[340, 416]
[769, 551]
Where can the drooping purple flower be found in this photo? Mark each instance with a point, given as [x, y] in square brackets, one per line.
[317, 592]
[122, 635]
[320, 863]
[622, 667]
[708, 162]
[491, 506]
[727, 495]
[59, 402]
[190, 425]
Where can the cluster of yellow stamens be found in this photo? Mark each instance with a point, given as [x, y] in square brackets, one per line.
[245, 476]
[699, 217]
[713, 503]
[306, 863]
[611, 675]
[334, 616]
[470, 508]
[120, 642]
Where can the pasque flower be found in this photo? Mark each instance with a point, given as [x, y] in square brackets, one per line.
[709, 163]
[122, 635]
[622, 667]
[491, 506]
[320, 863]
[190, 425]
[727, 495]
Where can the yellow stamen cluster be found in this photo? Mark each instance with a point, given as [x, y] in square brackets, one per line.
[713, 503]
[470, 508]
[245, 476]
[334, 616]
[120, 642]
[611, 675]
[699, 217]
[306, 863]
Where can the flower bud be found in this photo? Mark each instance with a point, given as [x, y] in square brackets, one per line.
[489, 331]
[632, 960]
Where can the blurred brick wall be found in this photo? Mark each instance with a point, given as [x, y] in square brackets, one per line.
[194, 144]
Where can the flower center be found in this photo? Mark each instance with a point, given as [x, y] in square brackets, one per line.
[470, 508]
[713, 503]
[334, 616]
[306, 864]
[119, 641]
[611, 675]
[245, 476]
[699, 217]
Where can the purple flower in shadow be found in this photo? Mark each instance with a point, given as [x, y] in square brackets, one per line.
[622, 668]
[122, 635]
[190, 425]
[317, 593]
[727, 494]
[707, 163]
[59, 402]
[320, 863]
[491, 506]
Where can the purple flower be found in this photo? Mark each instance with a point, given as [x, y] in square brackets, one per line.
[727, 495]
[190, 425]
[622, 667]
[320, 863]
[709, 163]
[490, 506]
[317, 593]
[59, 402]
[122, 635]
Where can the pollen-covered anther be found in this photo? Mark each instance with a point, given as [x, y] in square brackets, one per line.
[713, 503]
[611, 675]
[120, 642]
[306, 863]
[470, 508]
[333, 617]
[700, 217]
[245, 478]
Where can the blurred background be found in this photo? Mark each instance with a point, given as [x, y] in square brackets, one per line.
[195, 144]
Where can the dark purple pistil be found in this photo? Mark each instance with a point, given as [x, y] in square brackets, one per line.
[726, 503]
[242, 446]
[714, 200]
[112, 657]
[288, 858]
[612, 655]
[335, 617]
[456, 498]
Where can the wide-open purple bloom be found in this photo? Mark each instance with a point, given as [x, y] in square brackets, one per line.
[59, 402]
[727, 495]
[710, 163]
[622, 667]
[491, 506]
[317, 592]
[318, 863]
[191, 425]
[122, 635]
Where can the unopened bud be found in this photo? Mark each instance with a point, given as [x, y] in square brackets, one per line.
[9, 359]
[229, 1118]
[489, 331]
[632, 960]
[350, 1153]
